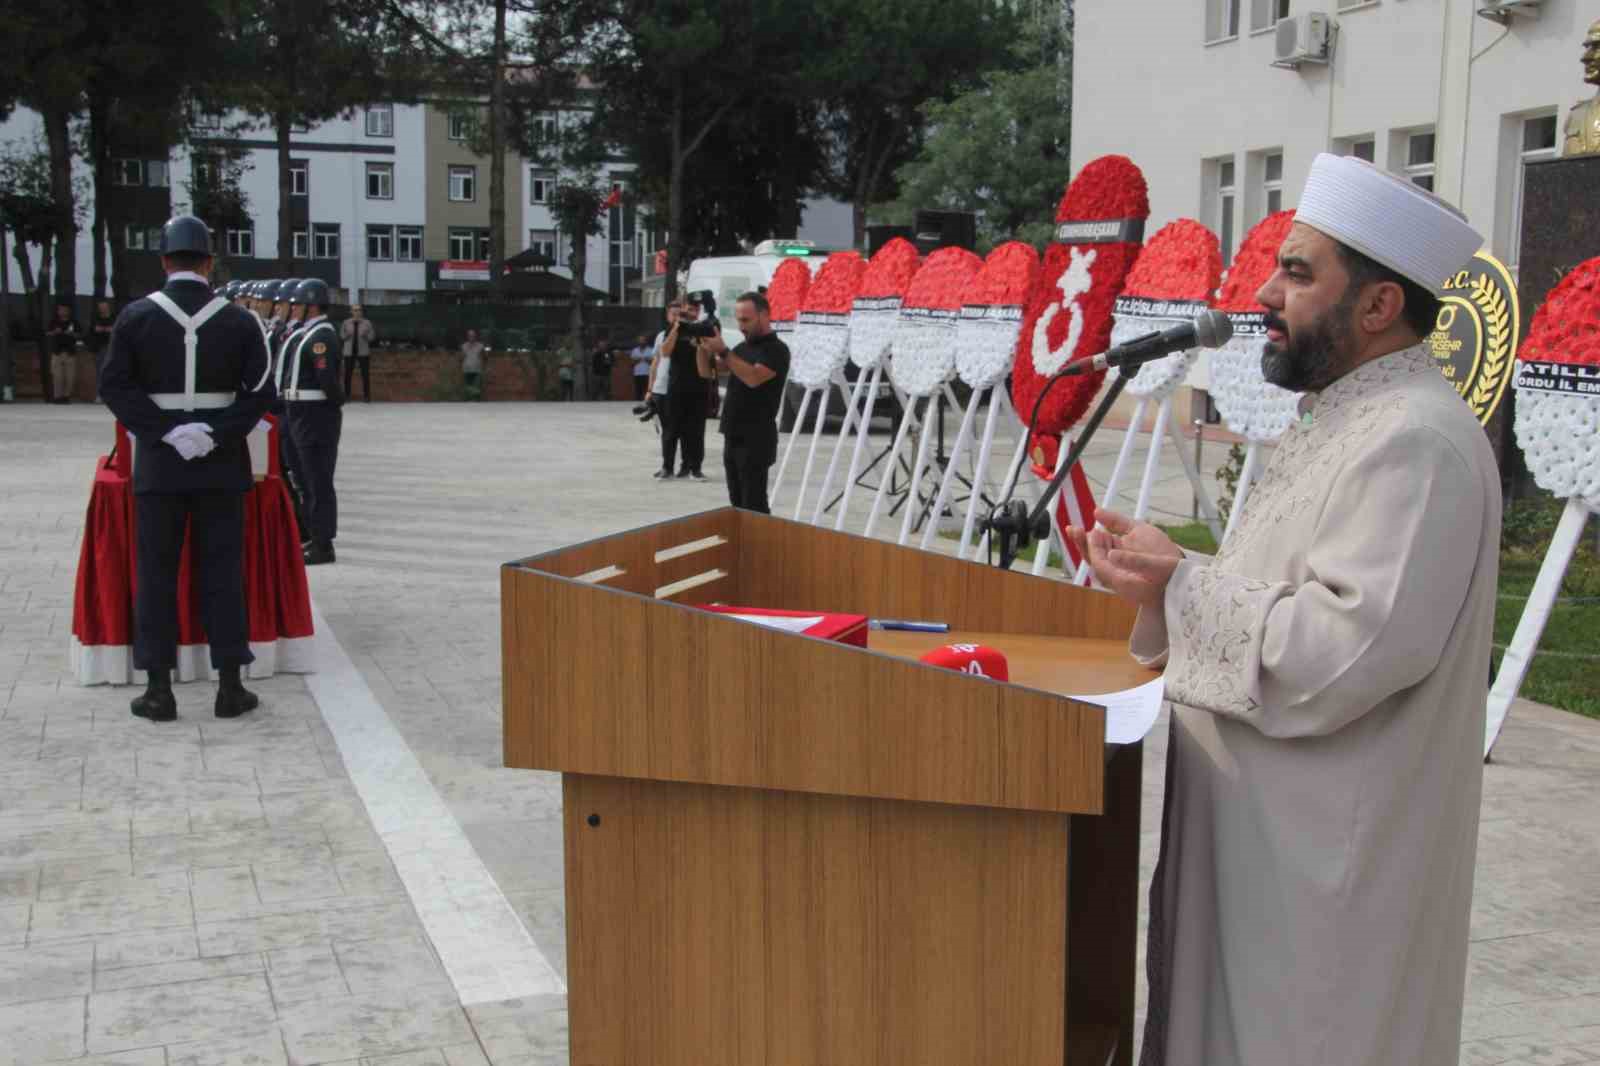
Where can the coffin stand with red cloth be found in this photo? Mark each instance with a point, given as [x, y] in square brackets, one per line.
[275, 591]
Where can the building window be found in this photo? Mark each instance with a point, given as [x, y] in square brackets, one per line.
[543, 242]
[1227, 205]
[155, 174]
[1419, 159]
[1272, 182]
[483, 244]
[129, 172]
[461, 127]
[463, 243]
[1264, 14]
[1346, 5]
[202, 170]
[299, 178]
[380, 120]
[301, 244]
[1362, 148]
[134, 239]
[380, 181]
[325, 240]
[1222, 19]
[540, 185]
[207, 121]
[545, 129]
[463, 184]
[242, 242]
[1538, 142]
[408, 244]
[380, 242]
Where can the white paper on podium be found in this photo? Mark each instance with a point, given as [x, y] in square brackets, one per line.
[788, 625]
[1131, 712]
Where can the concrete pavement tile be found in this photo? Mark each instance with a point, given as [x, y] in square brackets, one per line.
[171, 973]
[180, 1013]
[282, 882]
[57, 842]
[145, 948]
[165, 883]
[161, 817]
[36, 1032]
[255, 1048]
[328, 809]
[45, 972]
[239, 847]
[352, 839]
[19, 884]
[430, 1057]
[304, 975]
[465, 1055]
[532, 1030]
[98, 915]
[224, 892]
[1503, 1052]
[368, 873]
[373, 1026]
[150, 1056]
[87, 868]
[360, 919]
[241, 812]
[390, 963]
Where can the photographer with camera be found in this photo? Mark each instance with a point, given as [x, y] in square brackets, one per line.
[757, 371]
[688, 392]
[655, 403]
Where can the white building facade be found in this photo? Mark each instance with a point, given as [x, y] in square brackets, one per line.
[1427, 88]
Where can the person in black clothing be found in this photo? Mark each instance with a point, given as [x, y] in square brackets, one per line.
[687, 393]
[100, 331]
[63, 332]
[315, 405]
[757, 371]
[187, 373]
[600, 369]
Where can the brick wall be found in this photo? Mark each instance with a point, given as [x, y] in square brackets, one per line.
[397, 377]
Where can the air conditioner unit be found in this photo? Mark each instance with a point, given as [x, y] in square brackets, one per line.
[1304, 38]
[1503, 11]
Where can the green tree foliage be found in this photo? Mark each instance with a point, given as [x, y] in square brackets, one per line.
[1000, 149]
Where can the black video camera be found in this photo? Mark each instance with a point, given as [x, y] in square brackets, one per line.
[707, 326]
[647, 410]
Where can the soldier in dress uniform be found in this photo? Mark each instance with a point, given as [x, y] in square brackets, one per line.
[280, 336]
[187, 374]
[315, 398]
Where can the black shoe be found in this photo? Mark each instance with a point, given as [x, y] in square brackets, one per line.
[232, 702]
[695, 475]
[156, 705]
[682, 474]
[318, 554]
[662, 475]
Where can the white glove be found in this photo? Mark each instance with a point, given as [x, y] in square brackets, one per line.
[192, 440]
[263, 426]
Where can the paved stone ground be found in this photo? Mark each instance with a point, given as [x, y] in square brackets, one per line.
[213, 893]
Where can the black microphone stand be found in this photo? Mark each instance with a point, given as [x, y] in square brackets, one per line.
[1011, 523]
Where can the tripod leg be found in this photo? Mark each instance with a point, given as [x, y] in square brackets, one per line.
[883, 482]
[838, 448]
[1207, 508]
[861, 441]
[1151, 462]
[794, 435]
[923, 440]
[996, 397]
[963, 437]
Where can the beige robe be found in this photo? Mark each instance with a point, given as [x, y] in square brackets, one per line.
[1328, 672]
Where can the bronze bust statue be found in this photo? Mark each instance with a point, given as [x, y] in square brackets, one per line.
[1583, 122]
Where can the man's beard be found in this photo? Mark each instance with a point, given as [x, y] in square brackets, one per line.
[1315, 358]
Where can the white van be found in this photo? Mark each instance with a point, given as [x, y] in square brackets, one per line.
[729, 275]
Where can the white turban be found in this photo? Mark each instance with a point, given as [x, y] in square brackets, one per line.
[1388, 219]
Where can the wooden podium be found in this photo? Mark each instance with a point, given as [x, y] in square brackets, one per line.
[782, 850]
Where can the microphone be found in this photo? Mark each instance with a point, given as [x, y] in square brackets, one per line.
[1210, 330]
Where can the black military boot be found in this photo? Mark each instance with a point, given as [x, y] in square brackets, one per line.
[157, 704]
[321, 551]
[233, 699]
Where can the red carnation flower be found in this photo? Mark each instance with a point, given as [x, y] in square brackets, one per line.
[1006, 276]
[1255, 263]
[1183, 261]
[942, 280]
[1567, 328]
[834, 289]
[1108, 189]
[890, 270]
[787, 291]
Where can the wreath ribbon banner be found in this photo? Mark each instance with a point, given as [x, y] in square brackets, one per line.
[1144, 307]
[1102, 231]
[1573, 379]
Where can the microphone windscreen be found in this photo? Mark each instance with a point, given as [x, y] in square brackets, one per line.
[1213, 329]
[980, 660]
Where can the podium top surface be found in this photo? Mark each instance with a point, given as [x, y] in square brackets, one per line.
[609, 670]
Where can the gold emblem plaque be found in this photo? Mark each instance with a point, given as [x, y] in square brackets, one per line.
[1479, 327]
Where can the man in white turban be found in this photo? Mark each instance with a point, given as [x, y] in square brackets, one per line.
[1327, 672]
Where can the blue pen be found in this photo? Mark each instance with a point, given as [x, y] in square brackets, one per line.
[908, 627]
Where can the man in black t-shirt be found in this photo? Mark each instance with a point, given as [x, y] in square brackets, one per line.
[757, 371]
